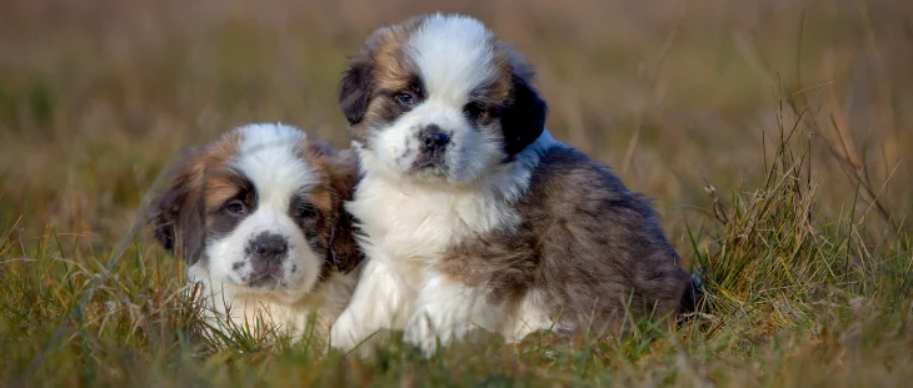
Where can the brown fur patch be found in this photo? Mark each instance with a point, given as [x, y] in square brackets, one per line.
[587, 245]
[224, 185]
[499, 90]
[212, 156]
[335, 229]
[221, 188]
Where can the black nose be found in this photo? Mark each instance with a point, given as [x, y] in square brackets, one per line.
[433, 138]
[269, 247]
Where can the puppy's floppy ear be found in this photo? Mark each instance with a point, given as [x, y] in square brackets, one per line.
[524, 118]
[355, 88]
[341, 166]
[342, 171]
[345, 249]
[177, 214]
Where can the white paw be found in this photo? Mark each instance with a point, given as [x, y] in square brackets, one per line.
[424, 331]
[343, 334]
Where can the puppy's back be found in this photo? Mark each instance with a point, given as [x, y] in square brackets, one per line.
[603, 247]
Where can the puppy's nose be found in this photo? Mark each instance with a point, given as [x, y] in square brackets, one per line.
[433, 138]
[269, 247]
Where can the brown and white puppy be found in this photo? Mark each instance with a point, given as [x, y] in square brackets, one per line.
[258, 215]
[473, 215]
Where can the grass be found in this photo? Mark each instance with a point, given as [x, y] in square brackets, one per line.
[770, 133]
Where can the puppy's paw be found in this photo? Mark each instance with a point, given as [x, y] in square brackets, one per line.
[344, 335]
[427, 332]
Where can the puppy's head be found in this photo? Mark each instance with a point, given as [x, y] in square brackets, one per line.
[439, 98]
[261, 208]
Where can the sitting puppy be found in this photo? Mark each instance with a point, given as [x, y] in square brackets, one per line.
[474, 216]
[258, 216]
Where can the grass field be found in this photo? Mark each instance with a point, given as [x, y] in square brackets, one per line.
[771, 134]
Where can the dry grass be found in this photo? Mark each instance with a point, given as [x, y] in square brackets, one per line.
[793, 115]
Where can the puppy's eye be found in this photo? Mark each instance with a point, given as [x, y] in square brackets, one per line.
[305, 211]
[405, 99]
[475, 110]
[236, 207]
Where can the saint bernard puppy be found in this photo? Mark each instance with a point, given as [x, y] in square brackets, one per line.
[258, 216]
[473, 216]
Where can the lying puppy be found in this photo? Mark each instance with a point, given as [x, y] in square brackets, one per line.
[474, 216]
[258, 216]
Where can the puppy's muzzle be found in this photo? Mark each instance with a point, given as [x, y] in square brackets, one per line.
[267, 251]
[433, 147]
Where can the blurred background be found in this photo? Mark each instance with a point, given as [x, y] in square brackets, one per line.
[97, 96]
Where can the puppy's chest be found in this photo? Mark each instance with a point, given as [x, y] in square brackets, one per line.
[224, 302]
[420, 226]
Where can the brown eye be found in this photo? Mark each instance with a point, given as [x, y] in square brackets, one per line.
[305, 211]
[405, 99]
[236, 207]
[475, 110]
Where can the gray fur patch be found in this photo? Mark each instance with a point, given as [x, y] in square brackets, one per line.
[589, 246]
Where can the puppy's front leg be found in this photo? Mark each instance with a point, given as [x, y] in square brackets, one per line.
[447, 310]
[382, 300]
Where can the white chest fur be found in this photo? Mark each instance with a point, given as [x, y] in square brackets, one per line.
[412, 224]
[408, 228]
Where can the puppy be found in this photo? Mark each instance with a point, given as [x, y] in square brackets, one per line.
[258, 216]
[473, 215]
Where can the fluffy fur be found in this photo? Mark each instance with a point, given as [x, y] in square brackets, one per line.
[474, 217]
[259, 217]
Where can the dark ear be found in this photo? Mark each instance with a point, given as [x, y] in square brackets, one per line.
[177, 215]
[344, 175]
[524, 119]
[341, 166]
[337, 227]
[354, 89]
